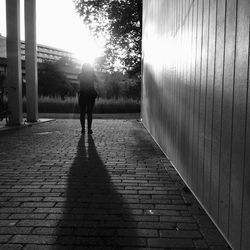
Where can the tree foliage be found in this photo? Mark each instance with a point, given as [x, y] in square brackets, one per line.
[119, 23]
[117, 85]
[52, 81]
[2, 79]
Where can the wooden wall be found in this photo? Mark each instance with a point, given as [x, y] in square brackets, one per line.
[196, 103]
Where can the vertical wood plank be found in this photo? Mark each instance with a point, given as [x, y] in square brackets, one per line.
[239, 122]
[227, 111]
[245, 239]
[184, 94]
[175, 4]
[192, 93]
[217, 107]
[202, 105]
[158, 81]
[191, 96]
[176, 84]
[143, 86]
[197, 93]
[172, 20]
[194, 80]
[209, 104]
[188, 88]
[180, 77]
[172, 10]
[179, 87]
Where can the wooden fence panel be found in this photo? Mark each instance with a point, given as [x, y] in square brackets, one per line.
[195, 101]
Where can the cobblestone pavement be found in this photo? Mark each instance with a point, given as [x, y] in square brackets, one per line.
[112, 190]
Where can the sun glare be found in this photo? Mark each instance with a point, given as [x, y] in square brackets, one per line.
[85, 48]
[65, 30]
[61, 27]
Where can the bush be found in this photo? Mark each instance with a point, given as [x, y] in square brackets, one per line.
[120, 105]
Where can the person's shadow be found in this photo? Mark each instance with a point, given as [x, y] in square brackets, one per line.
[95, 215]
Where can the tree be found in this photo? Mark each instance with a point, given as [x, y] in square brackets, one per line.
[2, 79]
[52, 81]
[119, 22]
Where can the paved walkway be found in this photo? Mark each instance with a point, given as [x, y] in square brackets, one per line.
[114, 190]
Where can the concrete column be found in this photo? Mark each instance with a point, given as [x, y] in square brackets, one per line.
[31, 61]
[14, 72]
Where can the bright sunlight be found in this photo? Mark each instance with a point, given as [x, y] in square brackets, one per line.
[59, 26]
[84, 47]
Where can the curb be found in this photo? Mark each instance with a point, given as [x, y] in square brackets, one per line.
[25, 124]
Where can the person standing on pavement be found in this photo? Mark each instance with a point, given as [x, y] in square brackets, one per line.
[87, 95]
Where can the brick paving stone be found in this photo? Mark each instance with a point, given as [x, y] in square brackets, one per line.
[180, 234]
[145, 218]
[15, 230]
[4, 216]
[38, 204]
[26, 199]
[37, 223]
[189, 219]
[54, 216]
[213, 237]
[157, 225]
[52, 231]
[49, 210]
[4, 223]
[33, 239]
[27, 216]
[11, 247]
[14, 194]
[144, 248]
[46, 247]
[220, 247]
[112, 190]
[9, 204]
[187, 226]
[162, 212]
[4, 238]
[125, 241]
[95, 248]
[200, 244]
[15, 210]
[94, 232]
[139, 233]
[173, 243]
[172, 207]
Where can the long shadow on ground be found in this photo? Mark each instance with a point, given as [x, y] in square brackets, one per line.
[94, 216]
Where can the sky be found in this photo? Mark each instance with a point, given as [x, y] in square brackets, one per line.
[58, 25]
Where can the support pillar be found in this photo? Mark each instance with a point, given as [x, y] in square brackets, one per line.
[14, 71]
[31, 61]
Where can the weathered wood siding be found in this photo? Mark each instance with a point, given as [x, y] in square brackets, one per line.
[195, 101]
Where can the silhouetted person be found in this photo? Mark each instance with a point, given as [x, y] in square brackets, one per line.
[87, 95]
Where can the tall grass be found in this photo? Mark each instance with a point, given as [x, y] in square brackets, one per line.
[70, 105]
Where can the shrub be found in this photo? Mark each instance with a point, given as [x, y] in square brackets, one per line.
[70, 105]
